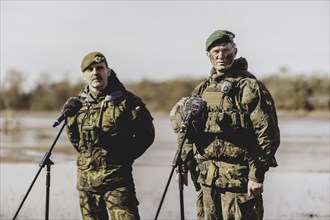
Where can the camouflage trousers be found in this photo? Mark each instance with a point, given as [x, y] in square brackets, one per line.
[121, 203]
[199, 205]
[231, 206]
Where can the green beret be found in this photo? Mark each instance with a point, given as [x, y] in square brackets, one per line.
[92, 58]
[219, 36]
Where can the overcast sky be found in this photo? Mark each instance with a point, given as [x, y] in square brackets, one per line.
[160, 39]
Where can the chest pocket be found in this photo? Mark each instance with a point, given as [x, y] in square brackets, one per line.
[219, 107]
[224, 112]
[115, 117]
[101, 121]
[87, 120]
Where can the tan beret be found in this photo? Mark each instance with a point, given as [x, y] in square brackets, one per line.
[92, 58]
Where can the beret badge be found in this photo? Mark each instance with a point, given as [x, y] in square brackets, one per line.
[98, 59]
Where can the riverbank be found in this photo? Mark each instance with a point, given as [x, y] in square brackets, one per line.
[321, 114]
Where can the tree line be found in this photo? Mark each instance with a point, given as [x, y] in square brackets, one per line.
[290, 92]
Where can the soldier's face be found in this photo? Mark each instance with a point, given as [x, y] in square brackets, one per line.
[222, 56]
[96, 76]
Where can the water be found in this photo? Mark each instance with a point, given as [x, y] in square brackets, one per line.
[302, 130]
[297, 189]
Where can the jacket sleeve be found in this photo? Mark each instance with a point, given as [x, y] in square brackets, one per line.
[143, 127]
[73, 132]
[265, 133]
[176, 118]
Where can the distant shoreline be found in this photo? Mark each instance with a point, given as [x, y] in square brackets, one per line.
[321, 114]
[317, 114]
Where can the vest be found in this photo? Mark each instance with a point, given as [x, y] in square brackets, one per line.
[227, 124]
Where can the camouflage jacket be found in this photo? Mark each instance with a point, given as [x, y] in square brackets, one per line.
[241, 134]
[109, 132]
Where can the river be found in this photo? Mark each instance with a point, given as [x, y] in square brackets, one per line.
[297, 189]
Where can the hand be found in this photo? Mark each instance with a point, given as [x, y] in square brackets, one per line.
[254, 188]
[184, 178]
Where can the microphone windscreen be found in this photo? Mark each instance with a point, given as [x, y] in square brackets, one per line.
[73, 105]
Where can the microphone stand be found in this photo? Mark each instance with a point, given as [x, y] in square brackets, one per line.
[46, 161]
[176, 163]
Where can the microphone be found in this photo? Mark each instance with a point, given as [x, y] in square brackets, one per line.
[186, 121]
[70, 108]
[194, 108]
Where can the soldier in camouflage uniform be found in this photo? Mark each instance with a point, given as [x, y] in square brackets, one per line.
[237, 141]
[110, 131]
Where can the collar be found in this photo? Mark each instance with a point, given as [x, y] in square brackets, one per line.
[239, 64]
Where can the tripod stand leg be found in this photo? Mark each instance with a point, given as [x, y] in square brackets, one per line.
[175, 163]
[181, 192]
[27, 193]
[45, 161]
[48, 163]
[164, 194]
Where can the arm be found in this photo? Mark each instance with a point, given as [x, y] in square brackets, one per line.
[189, 163]
[143, 127]
[264, 129]
[73, 132]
